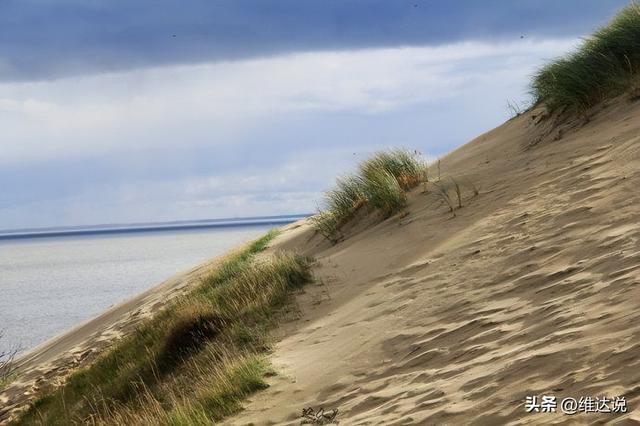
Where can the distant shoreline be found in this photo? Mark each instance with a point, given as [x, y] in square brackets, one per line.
[149, 227]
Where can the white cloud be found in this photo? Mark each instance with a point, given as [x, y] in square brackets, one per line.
[178, 105]
[260, 136]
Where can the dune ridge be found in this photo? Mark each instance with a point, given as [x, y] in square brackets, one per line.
[532, 289]
[426, 318]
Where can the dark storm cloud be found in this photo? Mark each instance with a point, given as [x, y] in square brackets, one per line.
[44, 39]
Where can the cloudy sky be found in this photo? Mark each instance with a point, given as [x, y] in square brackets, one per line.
[115, 111]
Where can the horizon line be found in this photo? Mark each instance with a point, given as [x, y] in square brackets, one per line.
[138, 227]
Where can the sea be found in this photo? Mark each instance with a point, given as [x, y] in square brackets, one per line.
[53, 279]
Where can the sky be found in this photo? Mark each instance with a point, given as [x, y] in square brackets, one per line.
[127, 111]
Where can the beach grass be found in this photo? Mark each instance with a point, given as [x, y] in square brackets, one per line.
[384, 192]
[194, 361]
[604, 65]
[327, 224]
[380, 182]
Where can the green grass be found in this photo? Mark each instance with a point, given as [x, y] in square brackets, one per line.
[193, 362]
[380, 182]
[346, 196]
[605, 65]
[405, 166]
[384, 192]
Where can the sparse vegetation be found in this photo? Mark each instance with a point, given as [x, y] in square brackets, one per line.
[194, 361]
[475, 190]
[327, 224]
[454, 191]
[515, 108]
[6, 364]
[458, 191]
[442, 190]
[381, 183]
[605, 65]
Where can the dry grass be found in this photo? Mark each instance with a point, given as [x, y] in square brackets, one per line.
[193, 362]
[515, 108]
[216, 392]
[454, 192]
[7, 358]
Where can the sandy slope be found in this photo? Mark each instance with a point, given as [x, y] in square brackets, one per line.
[533, 289]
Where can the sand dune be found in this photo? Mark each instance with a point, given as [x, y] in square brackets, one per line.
[425, 318]
[532, 289]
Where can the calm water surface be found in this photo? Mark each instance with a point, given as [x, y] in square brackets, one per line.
[49, 285]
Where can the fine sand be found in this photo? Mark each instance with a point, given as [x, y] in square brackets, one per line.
[533, 288]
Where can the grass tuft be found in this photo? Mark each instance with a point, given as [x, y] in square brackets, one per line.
[384, 192]
[454, 192]
[405, 166]
[327, 223]
[605, 65]
[380, 182]
[347, 196]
